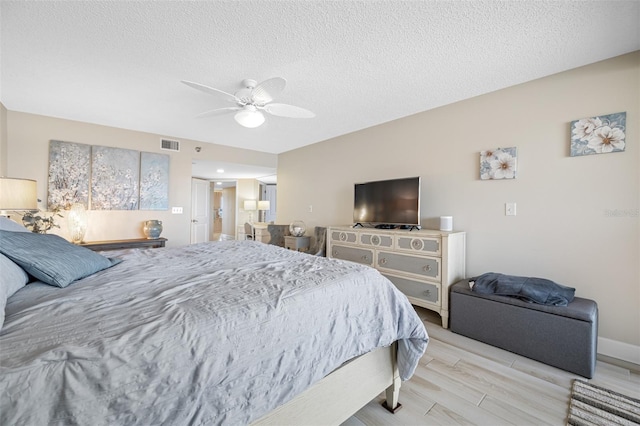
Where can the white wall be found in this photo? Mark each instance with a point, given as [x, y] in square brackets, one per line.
[247, 189]
[561, 231]
[229, 211]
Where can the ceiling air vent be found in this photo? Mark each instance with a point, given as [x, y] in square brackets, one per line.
[168, 145]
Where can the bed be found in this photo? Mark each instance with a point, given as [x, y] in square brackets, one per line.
[230, 332]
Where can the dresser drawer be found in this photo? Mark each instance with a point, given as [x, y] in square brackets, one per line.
[417, 289]
[358, 255]
[426, 245]
[384, 241]
[428, 267]
[344, 236]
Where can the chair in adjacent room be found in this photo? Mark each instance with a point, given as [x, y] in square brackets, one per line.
[277, 233]
[249, 231]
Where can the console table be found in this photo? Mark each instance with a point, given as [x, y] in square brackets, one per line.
[423, 264]
[124, 244]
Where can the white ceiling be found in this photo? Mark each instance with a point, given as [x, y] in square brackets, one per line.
[225, 174]
[354, 63]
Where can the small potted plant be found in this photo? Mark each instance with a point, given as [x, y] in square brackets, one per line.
[40, 222]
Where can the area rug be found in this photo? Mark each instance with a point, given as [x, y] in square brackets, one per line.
[594, 405]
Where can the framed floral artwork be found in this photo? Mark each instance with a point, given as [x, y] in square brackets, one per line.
[106, 178]
[154, 181]
[69, 168]
[499, 163]
[115, 176]
[598, 135]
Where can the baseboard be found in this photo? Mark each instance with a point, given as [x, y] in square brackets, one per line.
[619, 350]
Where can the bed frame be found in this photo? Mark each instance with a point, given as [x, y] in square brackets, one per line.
[342, 393]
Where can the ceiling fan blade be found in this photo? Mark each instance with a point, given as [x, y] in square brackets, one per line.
[284, 110]
[211, 91]
[268, 89]
[218, 111]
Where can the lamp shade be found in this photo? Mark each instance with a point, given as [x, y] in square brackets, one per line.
[249, 117]
[18, 194]
[250, 205]
[264, 205]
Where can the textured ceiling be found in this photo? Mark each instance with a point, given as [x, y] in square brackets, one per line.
[354, 63]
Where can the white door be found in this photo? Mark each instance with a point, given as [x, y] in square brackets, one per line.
[199, 211]
[270, 194]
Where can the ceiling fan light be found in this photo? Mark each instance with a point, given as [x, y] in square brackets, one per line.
[249, 117]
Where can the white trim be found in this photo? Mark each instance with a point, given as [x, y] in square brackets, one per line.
[619, 350]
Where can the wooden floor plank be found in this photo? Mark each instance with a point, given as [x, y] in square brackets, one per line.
[510, 413]
[431, 380]
[544, 372]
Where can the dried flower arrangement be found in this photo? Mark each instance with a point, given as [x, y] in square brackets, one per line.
[40, 222]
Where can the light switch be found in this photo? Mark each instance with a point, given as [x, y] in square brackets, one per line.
[510, 209]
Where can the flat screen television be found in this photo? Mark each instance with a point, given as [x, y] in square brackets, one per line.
[388, 203]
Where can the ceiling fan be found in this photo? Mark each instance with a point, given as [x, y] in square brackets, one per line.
[252, 100]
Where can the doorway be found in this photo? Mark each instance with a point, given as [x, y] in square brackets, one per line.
[223, 211]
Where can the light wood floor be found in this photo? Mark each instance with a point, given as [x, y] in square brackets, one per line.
[461, 381]
[222, 237]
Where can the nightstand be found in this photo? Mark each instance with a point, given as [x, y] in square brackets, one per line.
[296, 243]
[124, 244]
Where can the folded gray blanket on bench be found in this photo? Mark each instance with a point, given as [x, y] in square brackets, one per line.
[535, 290]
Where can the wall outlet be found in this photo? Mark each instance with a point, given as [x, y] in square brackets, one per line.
[176, 210]
[510, 209]
[310, 208]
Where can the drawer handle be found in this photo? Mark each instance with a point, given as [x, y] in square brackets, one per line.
[343, 236]
[427, 292]
[383, 261]
[426, 268]
[375, 240]
[335, 253]
[365, 257]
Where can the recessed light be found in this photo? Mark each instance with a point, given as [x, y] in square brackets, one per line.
[220, 171]
[218, 183]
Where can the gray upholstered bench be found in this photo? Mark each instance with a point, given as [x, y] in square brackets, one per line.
[564, 337]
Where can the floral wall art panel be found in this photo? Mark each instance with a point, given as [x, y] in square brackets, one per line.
[154, 181]
[115, 174]
[499, 163]
[69, 168]
[598, 135]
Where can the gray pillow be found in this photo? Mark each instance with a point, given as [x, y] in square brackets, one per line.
[12, 279]
[7, 224]
[50, 258]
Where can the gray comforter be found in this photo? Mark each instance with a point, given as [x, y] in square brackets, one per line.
[213, 333]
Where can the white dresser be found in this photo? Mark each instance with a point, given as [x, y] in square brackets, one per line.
[421, 263]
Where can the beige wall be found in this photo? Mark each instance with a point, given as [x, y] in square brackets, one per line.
[561, 231]
[229, 212]
[28, 139]
[3, 140]
[247, 189]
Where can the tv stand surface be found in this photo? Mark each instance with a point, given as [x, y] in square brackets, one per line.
[385, 226]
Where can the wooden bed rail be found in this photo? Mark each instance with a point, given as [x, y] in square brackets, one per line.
[342, 393]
